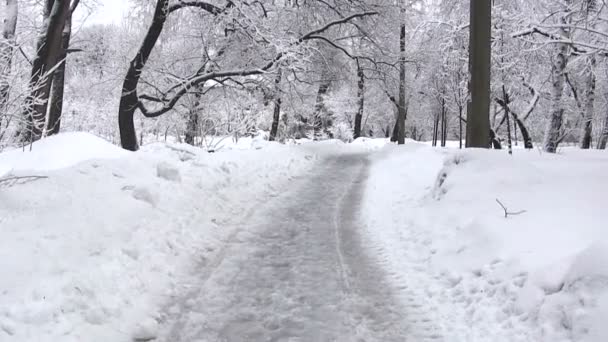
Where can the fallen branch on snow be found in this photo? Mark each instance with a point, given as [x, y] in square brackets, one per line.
[12, 181]
[507, 212]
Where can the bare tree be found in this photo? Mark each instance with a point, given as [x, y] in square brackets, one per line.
[131, 101]
[360, 100]
[53, 123]
[401, 111]
[276, 116]
[44, 64]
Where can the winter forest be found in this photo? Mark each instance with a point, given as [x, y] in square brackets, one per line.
[301, 69]
[303, 170]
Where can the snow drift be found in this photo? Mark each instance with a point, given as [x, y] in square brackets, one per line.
[93, 251]
[541, 275]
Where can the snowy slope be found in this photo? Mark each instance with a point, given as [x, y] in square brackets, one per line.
[470, 274]
[95, 250]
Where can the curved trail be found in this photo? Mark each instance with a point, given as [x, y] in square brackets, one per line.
[296, 271]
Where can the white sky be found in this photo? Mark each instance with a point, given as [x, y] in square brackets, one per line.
[106, 12]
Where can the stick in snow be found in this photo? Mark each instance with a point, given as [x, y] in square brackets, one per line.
[507, 212]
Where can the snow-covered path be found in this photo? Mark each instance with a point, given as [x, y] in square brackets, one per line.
[296, 270]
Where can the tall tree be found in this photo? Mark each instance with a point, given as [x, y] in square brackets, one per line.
[48, 49]
[480, 49]
[401, 110]
[554, 130]
[360, 100]
[55, 110]
[276, 115]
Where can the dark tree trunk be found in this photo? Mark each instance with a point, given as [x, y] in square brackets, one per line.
[58, 86]
[276, 116]
[436, 119]
[460, 109]
[478, 117]
[7, 43]
[395, 130]
[444, 124]
[129, 100]
[193, 121]
[401, 117]
[361, 99]
[494, 140]
[47, 53]
[589, 105]
[506, 101]
[525, 135]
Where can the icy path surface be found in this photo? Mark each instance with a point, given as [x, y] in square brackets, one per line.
[296, 270]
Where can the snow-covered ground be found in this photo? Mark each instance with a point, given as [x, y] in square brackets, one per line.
[470, 274]
[93, 251]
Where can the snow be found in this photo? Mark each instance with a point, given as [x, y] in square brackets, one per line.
[99, 249]
[57, 152]
[541, 275]
[95, 250]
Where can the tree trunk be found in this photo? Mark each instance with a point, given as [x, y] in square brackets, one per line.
[401, 117]
[589, 104]
[47, 53]
[525, 135]
[480, 49]
[435, 128]
[444, 124]
[361, 99]
[58, 86]
[193, 120]
[506, 101]
[276, 117]
[554, 127]
[129, 100]
[320, 109]
[7, 43]
[460, 109]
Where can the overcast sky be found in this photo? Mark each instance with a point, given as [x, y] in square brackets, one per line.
[107, 12]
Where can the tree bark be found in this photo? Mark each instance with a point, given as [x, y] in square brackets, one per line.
[553, 131]
[401, 117]
[361, 100]
[276, 115]
[478, 117]
[460, 110]
[320, 109]
[444, 123]
[129, 100]
[57, 89]
[47, 53]
[193, 121]
[589, 108]
[525, 135]
[7, 43]
[506, 101]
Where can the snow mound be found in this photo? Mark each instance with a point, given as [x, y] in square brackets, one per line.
[540, 275]
[58, 152]
[95, 249]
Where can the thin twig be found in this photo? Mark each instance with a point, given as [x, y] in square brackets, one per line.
[507, 212]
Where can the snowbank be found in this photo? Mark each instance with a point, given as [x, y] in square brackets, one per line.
[57, 152]
[541, 274]
[93, 251]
